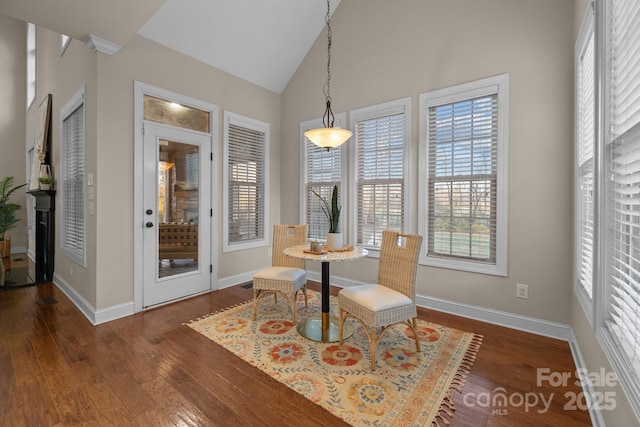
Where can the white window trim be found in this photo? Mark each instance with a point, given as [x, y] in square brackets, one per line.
[72, 105]
[587, 28]
[492, 85]
[260, 127]
[339, 121]
[64, 42]
[371, 112]
[32, 71]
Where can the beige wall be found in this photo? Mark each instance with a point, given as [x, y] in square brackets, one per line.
[151, 63]
[107, 280]
[12, 120]
[388, 50]
[62, 77]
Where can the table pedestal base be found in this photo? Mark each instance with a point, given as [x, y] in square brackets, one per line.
[311, 328]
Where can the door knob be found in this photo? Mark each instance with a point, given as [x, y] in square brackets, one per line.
[148, 211]
[149, 225]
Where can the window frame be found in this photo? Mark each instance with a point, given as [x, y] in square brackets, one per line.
[372, 112]
[498, 85]
[77, 255]
[587, 31]
[259, 126]
[32, 72]
[607, 135]
[339, 121]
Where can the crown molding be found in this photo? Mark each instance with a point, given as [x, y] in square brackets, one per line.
[97, 44]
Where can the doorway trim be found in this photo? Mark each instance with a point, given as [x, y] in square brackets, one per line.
[141, 89]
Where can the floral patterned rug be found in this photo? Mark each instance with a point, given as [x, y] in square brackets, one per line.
[407, 389]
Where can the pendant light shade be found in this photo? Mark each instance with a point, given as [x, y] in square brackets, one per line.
[328, 136]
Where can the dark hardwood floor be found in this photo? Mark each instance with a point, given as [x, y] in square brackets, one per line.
[56, 369]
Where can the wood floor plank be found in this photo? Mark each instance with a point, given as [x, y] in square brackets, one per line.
[150, 369]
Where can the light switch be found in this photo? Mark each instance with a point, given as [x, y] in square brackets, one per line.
[90, 179]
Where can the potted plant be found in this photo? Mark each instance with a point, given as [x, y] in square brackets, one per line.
[8, 218]
[332, 212]
[45, 182]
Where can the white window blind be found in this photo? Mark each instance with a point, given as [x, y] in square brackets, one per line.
[245, 157]
[463, 145]
[622, 310]
[585, 133]
[31, 64]
[380, 146]
[72, 173]
[323, 169]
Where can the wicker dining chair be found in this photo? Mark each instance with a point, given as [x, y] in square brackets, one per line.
[287, 275]
[393, 299]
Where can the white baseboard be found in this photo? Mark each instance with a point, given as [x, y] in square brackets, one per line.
[18, 249]
[94, 316]
[596, 416]
[227, 282]
[509, 320]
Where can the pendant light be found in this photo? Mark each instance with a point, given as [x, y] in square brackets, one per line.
[328, 136]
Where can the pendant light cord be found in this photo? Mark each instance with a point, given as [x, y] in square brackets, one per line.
[328, 118]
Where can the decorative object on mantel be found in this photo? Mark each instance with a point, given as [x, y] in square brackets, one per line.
[332, 212]
[328, 136]
[408, 389]
[8, 210]
[45, 180]
[41, 142]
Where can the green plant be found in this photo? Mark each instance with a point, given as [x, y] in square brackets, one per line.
[45, 180]
[331, 211]
[8, 218]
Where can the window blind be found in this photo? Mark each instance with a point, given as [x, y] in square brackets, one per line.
[585, 165]
[322, 171]
[623, 201]
[380, 155]
[462, 191]
[73, 170]
[245, 163]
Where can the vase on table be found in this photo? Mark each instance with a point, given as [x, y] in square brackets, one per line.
[334, 240]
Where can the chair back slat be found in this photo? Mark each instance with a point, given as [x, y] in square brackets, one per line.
[398, 266]
[284, 236]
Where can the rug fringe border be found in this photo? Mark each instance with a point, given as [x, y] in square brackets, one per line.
[218, 312]
[447, 408]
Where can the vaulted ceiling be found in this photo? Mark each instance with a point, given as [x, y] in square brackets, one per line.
[260, 41]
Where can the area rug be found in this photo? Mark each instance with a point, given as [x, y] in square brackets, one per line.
[406, 389]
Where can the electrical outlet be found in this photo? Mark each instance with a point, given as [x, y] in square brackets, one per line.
[269, 252]
[70, 272]
[522, 291]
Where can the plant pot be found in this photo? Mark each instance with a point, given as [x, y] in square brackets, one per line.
[334, 240]
[45, 186]
[5, 247]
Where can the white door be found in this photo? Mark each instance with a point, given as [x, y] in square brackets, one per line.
[177, 213]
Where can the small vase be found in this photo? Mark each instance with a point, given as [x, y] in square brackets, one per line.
[334, 240]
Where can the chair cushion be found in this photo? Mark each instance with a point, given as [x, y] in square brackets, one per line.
[288, 274]
[375, 297]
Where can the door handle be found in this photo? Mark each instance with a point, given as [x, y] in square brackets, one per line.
[149, 225]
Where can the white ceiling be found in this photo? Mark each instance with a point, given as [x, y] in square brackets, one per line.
[261, 41]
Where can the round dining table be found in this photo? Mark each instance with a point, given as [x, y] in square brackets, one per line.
[325, 328]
